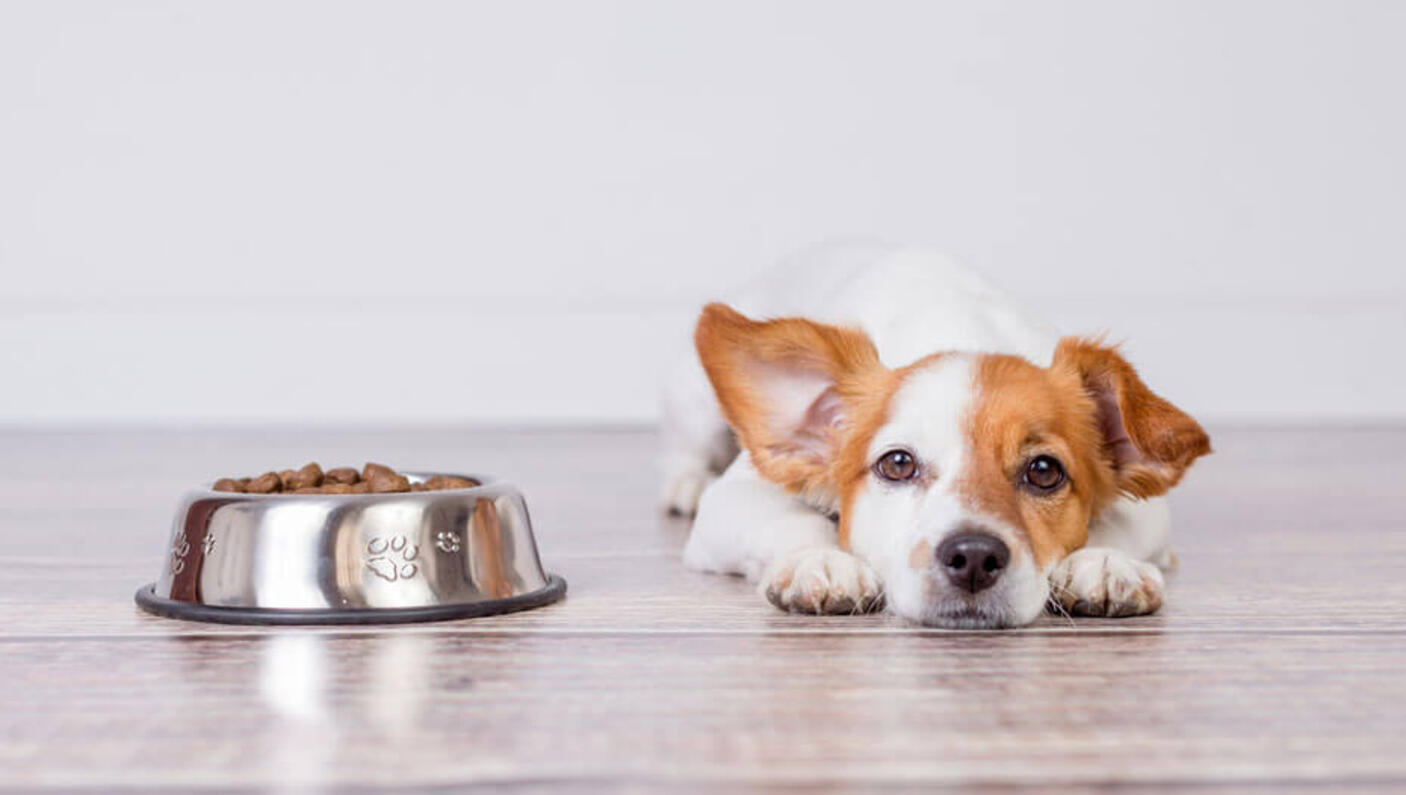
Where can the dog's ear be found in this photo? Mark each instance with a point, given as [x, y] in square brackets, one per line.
[1149, 442]
[788, 387]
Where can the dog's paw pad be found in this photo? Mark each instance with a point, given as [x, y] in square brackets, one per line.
[1106, 582]
[823, 582]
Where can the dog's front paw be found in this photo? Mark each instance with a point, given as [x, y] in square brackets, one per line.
[1097, 581]
[823, 581]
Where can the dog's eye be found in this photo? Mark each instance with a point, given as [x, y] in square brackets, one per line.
[1044, 473]
[896, 465]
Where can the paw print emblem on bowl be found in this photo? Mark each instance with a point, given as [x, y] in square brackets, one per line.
[448, 541]
[179, 549]
[392, 558]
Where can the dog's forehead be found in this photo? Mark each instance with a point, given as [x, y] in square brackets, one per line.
[929, 410]
[1016, 401]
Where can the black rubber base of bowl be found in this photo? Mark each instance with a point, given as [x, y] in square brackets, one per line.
[169, 608]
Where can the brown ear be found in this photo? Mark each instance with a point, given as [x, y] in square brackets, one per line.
[1149, 442]
[787, 387]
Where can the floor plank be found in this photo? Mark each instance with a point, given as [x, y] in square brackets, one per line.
[1277, 661]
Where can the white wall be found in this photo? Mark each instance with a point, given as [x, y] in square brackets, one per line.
[501, 211]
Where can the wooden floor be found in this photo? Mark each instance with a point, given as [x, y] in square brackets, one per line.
[1279, 660]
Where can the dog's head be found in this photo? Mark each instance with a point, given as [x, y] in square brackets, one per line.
[962, 478]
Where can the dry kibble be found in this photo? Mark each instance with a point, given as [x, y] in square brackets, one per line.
[384, 484]
[310, 476]
[311, 479]
[267, 483]
[345, 475]
[371, 471]
[441, 482]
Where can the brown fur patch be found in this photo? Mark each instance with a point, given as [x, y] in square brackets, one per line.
[1021, 411]
[1091, 412]
[736, 352]
[1149, 442]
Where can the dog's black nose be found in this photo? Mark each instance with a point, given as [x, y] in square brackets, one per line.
[973, 560]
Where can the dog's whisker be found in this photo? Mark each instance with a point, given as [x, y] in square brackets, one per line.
[1053, 601]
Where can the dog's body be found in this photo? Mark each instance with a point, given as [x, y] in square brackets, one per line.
[891, 425]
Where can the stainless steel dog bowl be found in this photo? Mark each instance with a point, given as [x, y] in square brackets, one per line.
[351, 558]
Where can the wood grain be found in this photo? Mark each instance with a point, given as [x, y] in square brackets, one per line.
[1276, 663]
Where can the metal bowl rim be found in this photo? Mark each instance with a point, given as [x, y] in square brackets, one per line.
[149, 602]
[486, 484]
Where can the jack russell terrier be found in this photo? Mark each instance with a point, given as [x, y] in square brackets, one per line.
[909, 437]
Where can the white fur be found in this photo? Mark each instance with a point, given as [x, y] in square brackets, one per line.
[745, 523]
[911, 303]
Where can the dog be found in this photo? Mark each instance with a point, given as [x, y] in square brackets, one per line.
[872, 426]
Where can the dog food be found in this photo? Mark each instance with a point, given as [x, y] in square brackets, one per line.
[311, 479]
